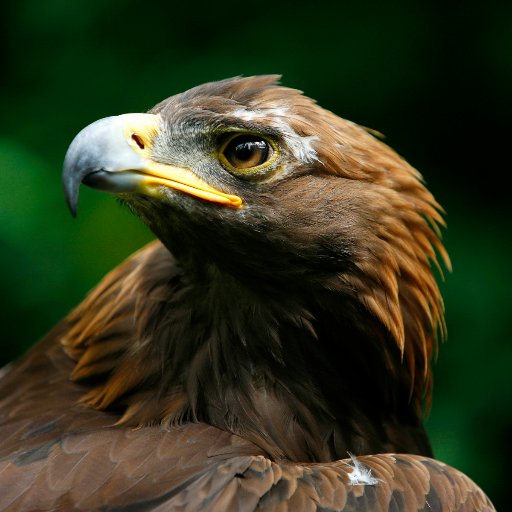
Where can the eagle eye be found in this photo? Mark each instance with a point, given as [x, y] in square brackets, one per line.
[246, 152]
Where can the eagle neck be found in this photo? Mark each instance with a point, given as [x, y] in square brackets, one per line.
[304, 376]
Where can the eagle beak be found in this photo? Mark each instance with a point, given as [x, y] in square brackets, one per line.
[114, 155]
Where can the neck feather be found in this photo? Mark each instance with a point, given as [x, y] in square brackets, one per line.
[305, 378]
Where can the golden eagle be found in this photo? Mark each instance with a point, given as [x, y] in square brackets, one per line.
[270, 352]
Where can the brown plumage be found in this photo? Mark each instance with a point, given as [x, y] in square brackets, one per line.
[286, 317]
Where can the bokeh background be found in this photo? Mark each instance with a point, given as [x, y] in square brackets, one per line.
[434, 77]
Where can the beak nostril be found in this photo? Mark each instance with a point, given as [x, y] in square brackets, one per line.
[138, 140]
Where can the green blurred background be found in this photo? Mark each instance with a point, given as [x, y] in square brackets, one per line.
[434, 77]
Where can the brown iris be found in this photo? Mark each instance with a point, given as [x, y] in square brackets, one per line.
[247, 151]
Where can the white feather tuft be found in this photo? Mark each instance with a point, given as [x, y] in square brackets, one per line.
[361, 474]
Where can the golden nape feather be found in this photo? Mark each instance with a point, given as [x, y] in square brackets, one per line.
[271, 351]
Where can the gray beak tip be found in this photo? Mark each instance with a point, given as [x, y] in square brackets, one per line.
[72, 209]
[101, 146]
[71, 183]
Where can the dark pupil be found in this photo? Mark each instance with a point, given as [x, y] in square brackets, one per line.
[247, 151]
[251, 150]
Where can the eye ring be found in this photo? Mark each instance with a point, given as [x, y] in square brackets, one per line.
[247, 152]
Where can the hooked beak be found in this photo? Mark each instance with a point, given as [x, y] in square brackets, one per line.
[114, 155]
